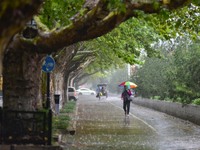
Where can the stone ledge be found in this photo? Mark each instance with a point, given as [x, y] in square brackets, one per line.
[185, 112]
[29, 147]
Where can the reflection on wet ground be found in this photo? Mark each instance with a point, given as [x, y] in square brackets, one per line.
[101, 125]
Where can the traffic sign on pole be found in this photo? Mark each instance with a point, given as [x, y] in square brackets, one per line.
[49, 64]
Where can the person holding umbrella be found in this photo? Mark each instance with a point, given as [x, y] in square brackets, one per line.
[126, 99]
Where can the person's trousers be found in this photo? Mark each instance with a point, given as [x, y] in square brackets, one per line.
[126, 106]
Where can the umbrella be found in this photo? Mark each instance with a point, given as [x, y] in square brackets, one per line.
[129, 84]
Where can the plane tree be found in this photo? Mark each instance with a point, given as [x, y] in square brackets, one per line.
[13, 17]
[123, 45]
[27, 49]
[70, 61]
[88, 59]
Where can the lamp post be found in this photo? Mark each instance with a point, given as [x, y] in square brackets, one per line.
[30, 31]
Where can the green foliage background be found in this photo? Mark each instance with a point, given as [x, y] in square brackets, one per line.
[174, 76]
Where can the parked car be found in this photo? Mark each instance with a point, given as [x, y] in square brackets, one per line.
[85, 91]
[72, 94]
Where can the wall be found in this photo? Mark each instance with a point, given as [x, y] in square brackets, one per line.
[186, 112]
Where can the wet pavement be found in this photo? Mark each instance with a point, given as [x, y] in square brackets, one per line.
[101, 125]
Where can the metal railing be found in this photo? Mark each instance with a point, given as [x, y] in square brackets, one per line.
[25, 127]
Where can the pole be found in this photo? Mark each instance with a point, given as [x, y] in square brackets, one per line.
[47, 67]
[49, 127]
[129, 71]
[48, 91]
[49, 108]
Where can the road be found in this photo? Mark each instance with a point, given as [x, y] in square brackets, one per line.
[101, 124]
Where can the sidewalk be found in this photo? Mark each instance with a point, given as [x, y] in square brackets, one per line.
[102, 125]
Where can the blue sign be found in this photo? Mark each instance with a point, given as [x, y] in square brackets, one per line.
[49, 64]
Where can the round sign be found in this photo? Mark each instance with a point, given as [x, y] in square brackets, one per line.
[48, 64]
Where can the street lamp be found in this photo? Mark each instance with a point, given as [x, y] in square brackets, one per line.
[30, 30]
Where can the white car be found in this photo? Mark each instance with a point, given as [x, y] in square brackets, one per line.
[72, 94]
[85, 91]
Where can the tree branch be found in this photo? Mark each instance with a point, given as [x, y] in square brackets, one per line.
[97, 20]
[13, 17]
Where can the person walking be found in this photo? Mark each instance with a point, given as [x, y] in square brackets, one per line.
[126, 100]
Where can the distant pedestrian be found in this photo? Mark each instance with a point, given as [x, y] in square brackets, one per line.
[126, 100]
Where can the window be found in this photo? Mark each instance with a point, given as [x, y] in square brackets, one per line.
[70, 90]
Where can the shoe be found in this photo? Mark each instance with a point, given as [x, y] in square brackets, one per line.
[128, 115]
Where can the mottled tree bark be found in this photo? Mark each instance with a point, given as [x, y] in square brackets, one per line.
[21, 77]
[13, 17]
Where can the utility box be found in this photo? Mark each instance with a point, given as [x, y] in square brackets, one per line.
[57, 101]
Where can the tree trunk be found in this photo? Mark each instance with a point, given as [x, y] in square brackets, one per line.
[58, 83]
[65, 86]
[21, 77]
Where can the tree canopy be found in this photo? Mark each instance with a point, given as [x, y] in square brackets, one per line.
[59, 25]
[92, 17]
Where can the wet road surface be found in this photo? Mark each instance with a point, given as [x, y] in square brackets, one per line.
[101, 125]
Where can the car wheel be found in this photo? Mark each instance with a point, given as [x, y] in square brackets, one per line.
[80, 94]
[92, 93]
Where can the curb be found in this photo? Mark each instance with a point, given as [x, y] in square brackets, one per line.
[72, 125]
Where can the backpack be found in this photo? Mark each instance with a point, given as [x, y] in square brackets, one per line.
[126, 96]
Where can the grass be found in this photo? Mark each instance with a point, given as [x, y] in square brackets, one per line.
[69, 107]
[61, 122]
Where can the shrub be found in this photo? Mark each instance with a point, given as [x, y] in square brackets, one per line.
[168, 99]
[179, 100]
[69, 107]
[196, 101]
[156, 97]
[61, 122]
